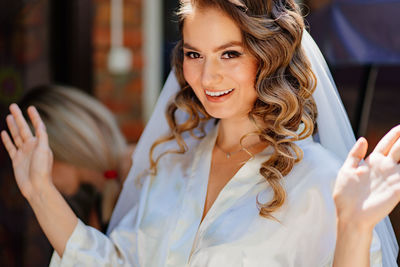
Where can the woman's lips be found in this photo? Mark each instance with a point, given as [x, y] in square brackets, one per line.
[218, 96]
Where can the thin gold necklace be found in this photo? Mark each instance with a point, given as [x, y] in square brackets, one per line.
[230, 154]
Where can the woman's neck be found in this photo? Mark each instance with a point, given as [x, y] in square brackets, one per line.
[232, 130]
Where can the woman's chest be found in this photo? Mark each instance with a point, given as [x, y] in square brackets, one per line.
[171, 223]
[233, 233]
[221, 172]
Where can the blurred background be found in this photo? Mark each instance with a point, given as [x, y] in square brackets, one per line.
[119, 52]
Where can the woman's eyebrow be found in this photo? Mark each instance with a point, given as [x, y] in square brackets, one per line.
[221, 47]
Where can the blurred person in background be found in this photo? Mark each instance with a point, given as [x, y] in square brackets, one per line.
[88, 147]
[91, 156]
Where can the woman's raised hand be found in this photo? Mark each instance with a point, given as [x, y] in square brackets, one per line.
[30, 154]
[366, 192]
[32, 161]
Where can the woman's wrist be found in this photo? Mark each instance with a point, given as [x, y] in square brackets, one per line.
[354, 225]
[351, 228]
[353, 221]
[41, 194]
[54, 215]
[352, 244]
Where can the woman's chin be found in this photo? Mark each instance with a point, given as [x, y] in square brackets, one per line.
[220, 114]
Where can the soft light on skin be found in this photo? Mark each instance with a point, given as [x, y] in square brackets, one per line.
[216, 60]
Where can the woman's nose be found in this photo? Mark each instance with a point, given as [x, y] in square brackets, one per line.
[211, 74]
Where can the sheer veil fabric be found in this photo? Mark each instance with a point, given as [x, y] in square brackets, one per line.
[335, 134]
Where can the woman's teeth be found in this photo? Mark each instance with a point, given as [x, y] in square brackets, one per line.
[218, 93]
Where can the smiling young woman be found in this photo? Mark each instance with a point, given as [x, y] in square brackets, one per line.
[250, 71]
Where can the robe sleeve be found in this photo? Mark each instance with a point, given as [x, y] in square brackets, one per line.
[89, 247]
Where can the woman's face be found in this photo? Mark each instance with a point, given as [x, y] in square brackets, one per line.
[216, 65]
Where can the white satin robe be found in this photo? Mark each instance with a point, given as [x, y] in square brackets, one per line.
[164, 229]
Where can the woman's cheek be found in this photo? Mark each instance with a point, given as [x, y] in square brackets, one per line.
[189, 72]
[245, 73]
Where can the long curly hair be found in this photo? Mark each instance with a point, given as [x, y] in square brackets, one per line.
[284, 111]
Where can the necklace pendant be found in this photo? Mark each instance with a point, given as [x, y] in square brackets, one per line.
[228, 155]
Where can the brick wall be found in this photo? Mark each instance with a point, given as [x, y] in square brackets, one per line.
[120, 93]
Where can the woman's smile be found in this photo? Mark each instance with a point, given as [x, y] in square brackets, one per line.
[218, 96]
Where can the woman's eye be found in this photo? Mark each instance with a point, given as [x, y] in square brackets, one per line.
[192, 55]
[231, 54]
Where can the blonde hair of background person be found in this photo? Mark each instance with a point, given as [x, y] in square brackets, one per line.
[85, 140]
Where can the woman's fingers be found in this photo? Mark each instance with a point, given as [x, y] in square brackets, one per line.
[23, 127]
[357, 153]
[386, 143]
[395, 151]
[40, 129]
[11, 149]
[12, 126]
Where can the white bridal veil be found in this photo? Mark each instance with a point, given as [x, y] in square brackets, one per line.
[335, 134]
